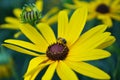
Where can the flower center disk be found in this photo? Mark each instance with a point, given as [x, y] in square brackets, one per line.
[57, 51]
[102, 8]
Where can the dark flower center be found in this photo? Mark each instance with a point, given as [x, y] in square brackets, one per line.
[58, 50]
[102, 8]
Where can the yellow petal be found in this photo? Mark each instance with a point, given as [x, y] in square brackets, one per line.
[96, 41]
[92, 43]
[62, 23]
[115, 10]
[49, 13]
[70, 6]
[106, 20]
[31, 33]
[92, 7]
[91, 16]
[50, 71]
[17, 12]
[94, 54]
[98, 1]
[90, 34]
[16, 35]
[33, 76]
[115, 3]
[26, 45]
[53, 19]
[107, 2]
[21, 50]
[9, 26]
[34, 72]
[39, 4]
[12, 20]
[34, 64]
[88, 70]
[76, 25]
[47, 33]
[80, 3]
[115, 16]
[109, 41]
[64, 72]
[35, 67]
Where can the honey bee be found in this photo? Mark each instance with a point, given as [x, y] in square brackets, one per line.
[61, 40]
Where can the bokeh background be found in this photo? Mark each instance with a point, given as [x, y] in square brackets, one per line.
[110, 65]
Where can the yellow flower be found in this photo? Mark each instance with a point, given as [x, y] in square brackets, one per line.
[104, 10]
[6, 63]
[5, 70]
[14, 22]
[66, 53]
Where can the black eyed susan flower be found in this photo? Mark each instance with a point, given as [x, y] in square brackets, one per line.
[68, 51]
[14, 22]
[104, 10]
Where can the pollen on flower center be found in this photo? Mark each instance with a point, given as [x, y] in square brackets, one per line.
[57, 51]
[102, 8]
